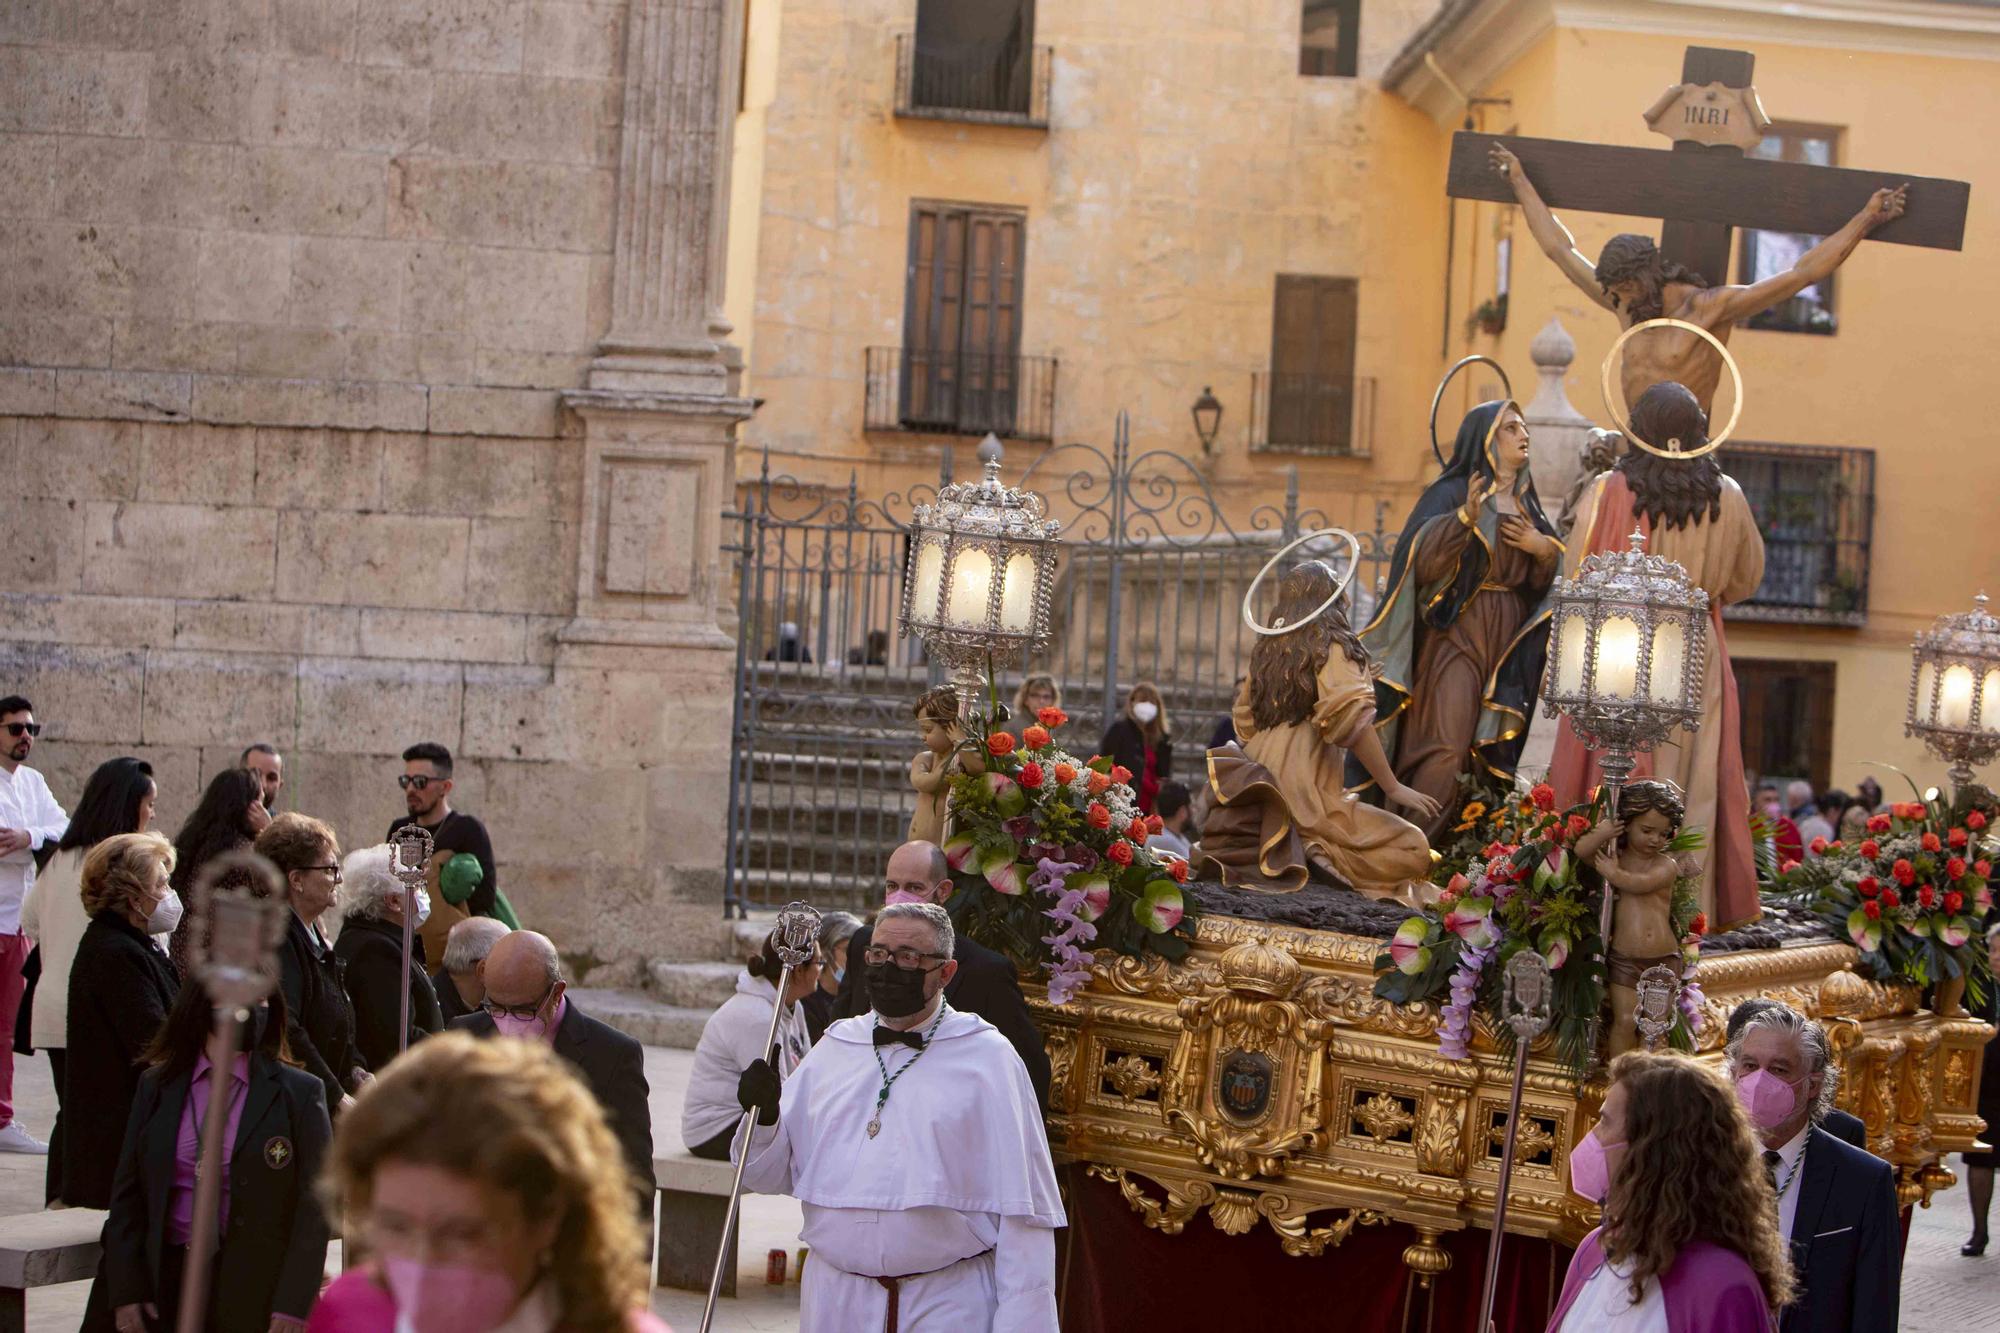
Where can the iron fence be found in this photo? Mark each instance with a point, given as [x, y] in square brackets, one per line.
[1150, 586]
[960, 393]
[1311, 414]
[1815, 507]
[1003, 82]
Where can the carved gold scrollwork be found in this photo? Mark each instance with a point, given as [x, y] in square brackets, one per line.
[1132, 1076]
[1235, 1212]
[1385, 1117]
[1060, 1042]
[1168, 1218]
[1535, 1140]
[1441, 1131]
[1302, 1241]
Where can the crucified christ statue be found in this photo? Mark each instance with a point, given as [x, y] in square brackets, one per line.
[1632, 280]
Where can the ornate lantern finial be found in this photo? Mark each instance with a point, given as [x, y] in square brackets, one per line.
[1955, 689]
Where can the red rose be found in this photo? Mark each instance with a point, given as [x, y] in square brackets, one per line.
[1878, 823]
[1578, 826]
[1052, 718]
[1030, 775]
[1870, 850]
[1698, 926]
[1000, 743]
[1954, 869]
[1954, 902]
[1873, 910]
[1817, 847]
[1838, 845]
[1179, 870]
[1931, 843]
[1926, 896]
[1120, 773]
[1493, 849]
[1956, 837]
[1099, 816]
[1136, 831]
[1544, 796]
[1975, 820]
[1788, 867]
[1890, 898]
[1983, 868]
[1155, 824]
[1035, 738]
[1065, 774]
[1869, 886]
[1121, 852]
[1905, 873]
[1099, 783]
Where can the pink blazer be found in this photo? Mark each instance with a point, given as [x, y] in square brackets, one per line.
[1708, 1290]
[356, 1303]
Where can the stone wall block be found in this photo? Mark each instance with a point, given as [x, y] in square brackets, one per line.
[73, 92]
[523, 118]
[268, 627]
[199, 94]
[28, 164]
[291, 353]
[294, 191]
[345, 283]
[25, 392]
[442, 636]
[372, 559]
[178, 550]
[248, 400]
[80, 694]
[242, 276]
[468, 475]
[441, 34]
[528, 298]
[536, 370]
[323, 29]
[74, 460]
[579, 716]
[200, 698]
[142, 395]
[101, 181]
[554, 206]
[177, 773]
[355, 793]
[194, 184]
[51, 337]
[142, 343]
[196, 464]
[543, 805]
[298, 102]
[572, 40]
[103, 622]
[532, 414]
[522, 564]
[319, 469]
[41, 546]
[392, 110]
[354, 706]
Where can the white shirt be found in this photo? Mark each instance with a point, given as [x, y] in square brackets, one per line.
[53, 917]
[1788, 1156]
[25, 803]
[1605, 1306]
[1166, 840]
[735, 1035]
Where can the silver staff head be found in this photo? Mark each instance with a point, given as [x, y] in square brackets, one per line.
[796, 936]
[409, 852]
[1528, 989]
[1659, 991]
[240, 902]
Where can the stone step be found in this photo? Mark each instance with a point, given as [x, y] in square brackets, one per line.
[692, 985]
[644, 1018]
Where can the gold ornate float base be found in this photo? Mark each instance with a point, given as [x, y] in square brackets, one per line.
[1260, 1080]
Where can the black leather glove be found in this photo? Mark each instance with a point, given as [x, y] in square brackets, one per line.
[758, 1089]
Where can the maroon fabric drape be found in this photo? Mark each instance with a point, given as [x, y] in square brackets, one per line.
[1118, 1275]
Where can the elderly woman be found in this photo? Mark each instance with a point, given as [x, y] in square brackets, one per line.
[1690, 1240]
[273, 1236]
[370, 948]
[319, 1021]
[836, 929]
[523, 1224]
[734, 1036]
[120, 989]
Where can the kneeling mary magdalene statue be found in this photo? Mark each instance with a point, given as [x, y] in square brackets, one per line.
[1462, 633]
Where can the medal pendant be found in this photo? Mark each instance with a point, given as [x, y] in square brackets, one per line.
[874, 1127]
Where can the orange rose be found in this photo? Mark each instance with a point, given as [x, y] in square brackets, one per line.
[1120, 852]
[1065, 774]
[1034, 738]
[1136, 831]
[1179, 870]
[1000, 743]
[1099, 783]
[1052, 718]
[1120, 773]
[1099, 816]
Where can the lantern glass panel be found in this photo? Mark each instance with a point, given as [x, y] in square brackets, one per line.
[1926, 687]
[1989, 702]
[929, 579]
[1617, 659]
[1669, 662]
[1572, 639]
[971, 583]
[1954, 707]
[1017, 596]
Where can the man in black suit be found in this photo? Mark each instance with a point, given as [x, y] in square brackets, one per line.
[986, 984]
[525, 999]
[1847, 1128]
[1836, 1203]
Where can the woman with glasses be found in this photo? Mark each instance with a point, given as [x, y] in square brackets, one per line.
[272, 1238]
[117, 799]
[228, 818]
[733, 1037]
[370, 948]
[524, 1225]
[319, 1022]
[120, 989]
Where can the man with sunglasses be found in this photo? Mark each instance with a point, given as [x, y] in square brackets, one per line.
[427, 787]
[29, 819]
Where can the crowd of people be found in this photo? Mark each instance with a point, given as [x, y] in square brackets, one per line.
[1799, 821]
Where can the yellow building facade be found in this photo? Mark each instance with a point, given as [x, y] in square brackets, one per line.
[1150, 200]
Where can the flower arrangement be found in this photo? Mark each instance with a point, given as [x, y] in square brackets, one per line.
[1910, 894]
[1049, 853]
[1522, 890]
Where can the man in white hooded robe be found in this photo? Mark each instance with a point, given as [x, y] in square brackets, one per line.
[913, 1139]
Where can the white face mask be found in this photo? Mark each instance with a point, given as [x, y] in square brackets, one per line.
[165, 916]
[1145, 711]
[423, 907]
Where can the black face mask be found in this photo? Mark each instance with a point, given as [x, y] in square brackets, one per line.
[896, 992]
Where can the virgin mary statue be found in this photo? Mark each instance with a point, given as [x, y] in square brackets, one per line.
[1462, 633]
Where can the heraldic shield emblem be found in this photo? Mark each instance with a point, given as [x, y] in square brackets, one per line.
[1243, 1085]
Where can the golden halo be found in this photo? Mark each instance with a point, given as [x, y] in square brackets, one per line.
[1506, 394]
[1340, 585]
[1673, 450]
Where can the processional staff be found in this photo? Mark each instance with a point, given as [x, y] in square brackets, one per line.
[1525, 1002]
[409, 857]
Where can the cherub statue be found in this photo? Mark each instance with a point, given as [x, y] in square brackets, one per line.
[942, 759]
[1629, 851]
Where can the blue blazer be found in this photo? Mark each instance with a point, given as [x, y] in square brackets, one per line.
[1846, 1242]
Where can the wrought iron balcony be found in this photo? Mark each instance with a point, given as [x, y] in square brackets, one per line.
[1312, 414]
[961, 393]
[997, 83]
[1815, 506]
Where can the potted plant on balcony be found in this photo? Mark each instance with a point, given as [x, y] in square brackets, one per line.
[1490, 318]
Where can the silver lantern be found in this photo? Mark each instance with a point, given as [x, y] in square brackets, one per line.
[1955, 689]
[981, 567]
[1627, 647]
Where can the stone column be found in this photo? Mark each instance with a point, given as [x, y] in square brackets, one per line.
[1559, 431]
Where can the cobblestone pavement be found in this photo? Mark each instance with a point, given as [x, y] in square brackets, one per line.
[1944, 1292]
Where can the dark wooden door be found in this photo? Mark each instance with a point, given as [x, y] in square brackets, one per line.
[1312, 362]
[962, 318]
[1787, 718]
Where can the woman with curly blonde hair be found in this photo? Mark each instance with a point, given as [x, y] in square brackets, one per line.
[1690, 1240]
[488, 1192]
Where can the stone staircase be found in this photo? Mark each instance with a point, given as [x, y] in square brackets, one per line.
[679, 997]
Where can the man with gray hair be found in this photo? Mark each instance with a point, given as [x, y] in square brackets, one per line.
[914, 1141]
[461, 982]
[1836, 1203]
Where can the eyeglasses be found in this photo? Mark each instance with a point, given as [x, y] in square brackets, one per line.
[415, 781]
[910, 959]
[527, 1013]
[20, 728]
[331, 872]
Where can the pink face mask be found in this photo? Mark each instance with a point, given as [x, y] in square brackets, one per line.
[509, 1025]
[1589, 1168]
[450, 1298]
[904, 896]
[1769, 1099]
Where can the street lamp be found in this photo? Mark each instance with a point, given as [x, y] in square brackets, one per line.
[1955, 689]
[982, 564]
[1207, 413]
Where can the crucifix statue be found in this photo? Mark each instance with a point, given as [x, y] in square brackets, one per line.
[1701, 189]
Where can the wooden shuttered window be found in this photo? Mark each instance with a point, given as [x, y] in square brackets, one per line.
[962, 317]
[1311, 403]
[1330, 38]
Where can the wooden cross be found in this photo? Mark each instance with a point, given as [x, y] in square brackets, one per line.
[1701, 191]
